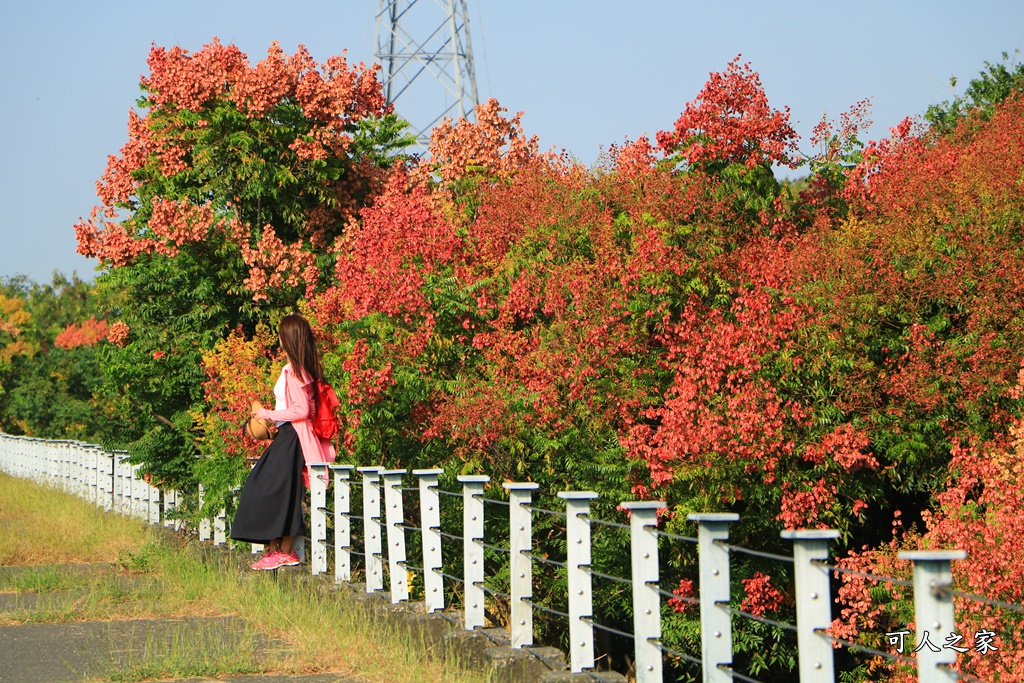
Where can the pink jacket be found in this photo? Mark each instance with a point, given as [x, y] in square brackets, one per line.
[298, 395]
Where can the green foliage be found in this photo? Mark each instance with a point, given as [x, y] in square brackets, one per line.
[142, 559]
[57, 394]
[222, 478]
[994, 84]
[48, 391]
[55, 305]
[175, 309]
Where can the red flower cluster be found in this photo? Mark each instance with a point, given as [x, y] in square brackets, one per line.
[88, 333]
[761, 596]
[730, 120]
[685, 590]
[118, 333]
[310, 112]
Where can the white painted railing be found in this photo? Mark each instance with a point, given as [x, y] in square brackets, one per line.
[105, 479]
[89, 472]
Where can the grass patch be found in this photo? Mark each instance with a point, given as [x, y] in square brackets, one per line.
[191, 649]
[45, 579]
[157, 576]
[42, 527]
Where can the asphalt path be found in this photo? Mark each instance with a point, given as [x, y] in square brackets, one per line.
[79, 651]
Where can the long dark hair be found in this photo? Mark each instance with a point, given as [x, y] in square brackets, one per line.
[298, 342]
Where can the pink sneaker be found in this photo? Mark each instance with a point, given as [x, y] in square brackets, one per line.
[268, 561]
[288, 559]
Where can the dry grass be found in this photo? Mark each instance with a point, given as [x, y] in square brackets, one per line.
[39, 527]
[161, 577]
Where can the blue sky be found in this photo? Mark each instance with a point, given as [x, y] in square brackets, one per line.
[586, 74]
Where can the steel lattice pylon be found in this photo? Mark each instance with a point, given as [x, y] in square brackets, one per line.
[427, 59]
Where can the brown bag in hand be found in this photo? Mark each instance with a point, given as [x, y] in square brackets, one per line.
[260, 429]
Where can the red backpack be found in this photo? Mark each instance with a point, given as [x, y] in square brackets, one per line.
[325, 421]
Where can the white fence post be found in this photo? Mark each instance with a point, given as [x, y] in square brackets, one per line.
[371, 529]
[90, 480]
[520, 522]
[715, 620]
[126, 487]
[153, 496]
[581, 602]
[75, 454]
[94, 469]
[47, 469]
[118, 497]
[105, 476]
[134, 491]
[220, 527]
[430, 530]
[646, 599]
[394, 517]
[933, 612]
[140, 488]
[813, 603]
[318, 517]
[69, 468]
[87, 464]
[170, 497]
[472, 550]
[342, 522]
[204, 523]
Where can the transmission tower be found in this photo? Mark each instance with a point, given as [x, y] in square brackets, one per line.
[427, 59]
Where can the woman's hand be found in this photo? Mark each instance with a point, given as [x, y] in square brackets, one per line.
[256, 406]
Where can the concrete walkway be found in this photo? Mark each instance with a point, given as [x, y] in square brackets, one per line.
[81, 651]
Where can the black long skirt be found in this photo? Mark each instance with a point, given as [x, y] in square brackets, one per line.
[271, 503]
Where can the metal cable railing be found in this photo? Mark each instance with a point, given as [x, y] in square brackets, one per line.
[867, 575]
[754, 553]
[964, 677]
[496, 548]
[456, 579]
[608, 577]
[849, 644]
[542, 560]
[548, 610]
[755, 617]
[681, 598]
[491, 591]
[737, 676]
[991, 602]
[602, 522]
[609, 629]
[554, 513]
[680, 655]
[674, 537]
[388, 556]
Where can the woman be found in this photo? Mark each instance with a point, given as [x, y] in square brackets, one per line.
[270, 508]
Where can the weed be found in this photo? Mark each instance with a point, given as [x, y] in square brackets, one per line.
[40, 580]
[142, 559]
[193, 648]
